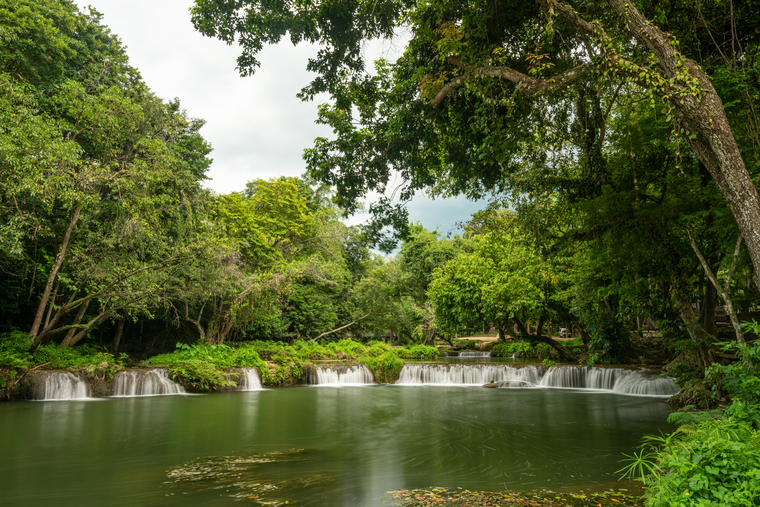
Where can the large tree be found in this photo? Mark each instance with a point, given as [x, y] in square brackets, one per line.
[453, 109]
[100, 178]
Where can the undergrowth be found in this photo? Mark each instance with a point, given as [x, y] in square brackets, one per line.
[713, 458]
[201, 366]
[16, 356]
[523, 349]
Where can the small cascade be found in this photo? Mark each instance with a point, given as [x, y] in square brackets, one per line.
[475, 353]
[343, 374]
[145, 383]
[62, 385]
[583, 377]
[250, 380]
[636, 383]
[468, 374]
[617, 380]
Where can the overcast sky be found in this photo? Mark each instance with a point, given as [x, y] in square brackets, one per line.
[256, 125]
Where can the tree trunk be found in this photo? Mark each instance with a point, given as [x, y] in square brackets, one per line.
[81, 334]
[52, 303]
[698, 335]
[565, 354]
[197, 321]
[723, 291]
[53, 273]
[117, 337]
[708, 132]
[77, 320]
[708, 315]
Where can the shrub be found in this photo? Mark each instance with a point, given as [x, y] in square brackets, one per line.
[14, 350]
[14, 356]
[377, 349]
[199, 376]
[386, 367]
[221, 356]
[417, 352]
[85, 358]
[714, 463]
[524, 349]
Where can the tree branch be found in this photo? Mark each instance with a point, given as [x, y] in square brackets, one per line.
[714, 280]
[342, 327]
[526, 85]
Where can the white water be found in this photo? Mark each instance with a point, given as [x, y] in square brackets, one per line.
[617, 380]
[635, 383]
[251, 380]
[584, 377]
[145, 383]
[355, 374]
[467, 374]
[475, 353]
[62, 385]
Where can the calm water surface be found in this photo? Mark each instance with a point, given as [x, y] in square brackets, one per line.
[332, 446]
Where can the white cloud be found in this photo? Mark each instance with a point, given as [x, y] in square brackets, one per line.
[257, 126]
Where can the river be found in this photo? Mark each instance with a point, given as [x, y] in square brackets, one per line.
[316, 445]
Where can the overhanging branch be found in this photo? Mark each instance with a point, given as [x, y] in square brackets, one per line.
[526, 85]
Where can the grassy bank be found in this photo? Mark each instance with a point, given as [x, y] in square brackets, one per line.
[16, 358]
[201, 366]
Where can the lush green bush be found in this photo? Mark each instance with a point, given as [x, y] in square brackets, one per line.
[417, 352]
[84, 358]
[386, 367]
[200, 367]
[14, 350]
[713, 459]
[14, 356]
[221, 356]
[524, 349]
[377, 349]
[199, 376]
[740, 381]
[714, 463]
[575, 342]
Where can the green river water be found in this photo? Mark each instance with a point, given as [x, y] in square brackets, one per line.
[314, 446]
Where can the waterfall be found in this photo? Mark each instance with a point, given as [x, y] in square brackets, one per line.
[583, 377]
[468, 374]
[62, 385]
[344, 374]
[636, 383]
[616, 380]
[145, 383]
[251, 380]
[475, 353]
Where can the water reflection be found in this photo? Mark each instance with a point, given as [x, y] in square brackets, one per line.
[357, 443]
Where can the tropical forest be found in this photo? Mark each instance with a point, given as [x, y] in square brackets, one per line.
[586, 334]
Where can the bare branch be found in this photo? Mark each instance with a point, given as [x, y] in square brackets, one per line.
[342, 327]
